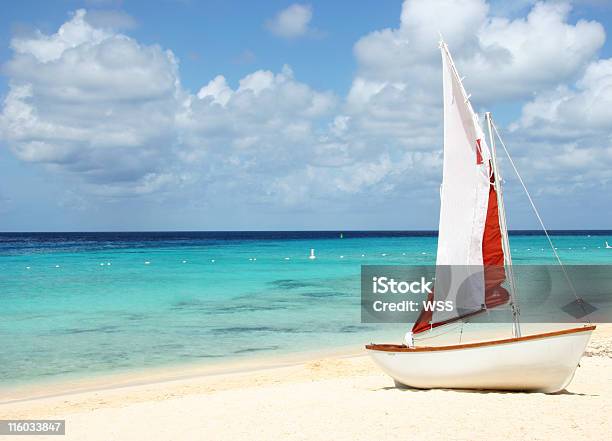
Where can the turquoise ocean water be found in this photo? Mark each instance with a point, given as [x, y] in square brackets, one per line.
[79, 304]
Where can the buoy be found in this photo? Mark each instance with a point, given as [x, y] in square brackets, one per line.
[363, 255]
[147, 262]
[101, 263]
[57, 266]
[312, 254]
[27, 267]
[383, 254]
[341, 257]
[341, 236]
[108, 263]
[212, 260]
[184, 261]
[287, 258]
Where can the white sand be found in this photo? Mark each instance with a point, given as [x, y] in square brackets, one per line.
[333, 398]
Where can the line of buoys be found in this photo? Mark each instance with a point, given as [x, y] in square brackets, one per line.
[312, 256]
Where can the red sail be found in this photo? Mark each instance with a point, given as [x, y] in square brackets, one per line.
[493, 261]
[493, 254]
[423, 323]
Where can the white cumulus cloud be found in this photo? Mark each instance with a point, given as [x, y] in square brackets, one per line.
[570, 128]
[291, 22]
[395, 98]
[92, 102]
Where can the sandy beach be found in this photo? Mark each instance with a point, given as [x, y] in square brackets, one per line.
[341, 396]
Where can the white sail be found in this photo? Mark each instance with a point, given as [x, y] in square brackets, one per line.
[464, 196]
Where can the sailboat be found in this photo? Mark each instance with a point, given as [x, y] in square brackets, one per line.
[473, 233]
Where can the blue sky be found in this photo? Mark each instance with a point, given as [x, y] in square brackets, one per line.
[326, 117]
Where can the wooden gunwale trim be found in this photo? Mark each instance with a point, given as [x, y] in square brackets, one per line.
[404, 348]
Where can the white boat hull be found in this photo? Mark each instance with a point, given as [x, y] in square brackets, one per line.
[538, 363]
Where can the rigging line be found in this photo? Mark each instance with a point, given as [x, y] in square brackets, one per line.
[447, 331]
[518, 175]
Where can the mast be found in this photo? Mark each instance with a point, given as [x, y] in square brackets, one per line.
[516, 328]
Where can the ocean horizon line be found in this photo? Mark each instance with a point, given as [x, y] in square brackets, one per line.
[267, 234]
